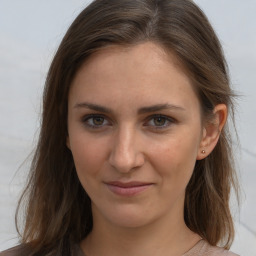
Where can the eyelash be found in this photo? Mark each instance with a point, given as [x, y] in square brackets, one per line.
[87, 118]
[167, 121]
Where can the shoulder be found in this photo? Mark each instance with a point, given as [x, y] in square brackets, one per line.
[202, 248]
[216, 251]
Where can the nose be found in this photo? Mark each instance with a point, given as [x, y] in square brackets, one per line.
[126, 153]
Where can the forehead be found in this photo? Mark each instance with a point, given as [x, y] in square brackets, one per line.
[143, 73]
[144, 53]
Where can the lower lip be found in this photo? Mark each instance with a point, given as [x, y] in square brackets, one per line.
[128, 191]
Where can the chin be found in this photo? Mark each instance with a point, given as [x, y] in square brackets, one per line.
[130, 221]
[128, 217]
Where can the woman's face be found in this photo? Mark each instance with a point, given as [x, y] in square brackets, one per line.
[135, 130]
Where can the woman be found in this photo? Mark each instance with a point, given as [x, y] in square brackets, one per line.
[134, 155]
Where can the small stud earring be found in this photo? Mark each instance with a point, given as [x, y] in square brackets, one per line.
[203, 151]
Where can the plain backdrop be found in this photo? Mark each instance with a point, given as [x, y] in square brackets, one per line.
[30, 31]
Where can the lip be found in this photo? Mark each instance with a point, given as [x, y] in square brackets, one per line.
[127, 188]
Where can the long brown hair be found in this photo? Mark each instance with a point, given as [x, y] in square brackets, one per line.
[58, 210]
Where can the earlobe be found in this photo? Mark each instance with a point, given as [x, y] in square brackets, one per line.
[212, 131]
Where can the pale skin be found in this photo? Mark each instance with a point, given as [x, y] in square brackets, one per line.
[135, 132]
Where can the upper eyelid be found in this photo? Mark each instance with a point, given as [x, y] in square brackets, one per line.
[87, 116]
[163, 116]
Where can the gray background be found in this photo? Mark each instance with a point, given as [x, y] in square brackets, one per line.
[30, 31]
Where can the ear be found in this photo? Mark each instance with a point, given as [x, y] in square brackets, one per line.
[211, 131]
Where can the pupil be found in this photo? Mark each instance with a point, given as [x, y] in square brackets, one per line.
[98, 120]
[159, 121]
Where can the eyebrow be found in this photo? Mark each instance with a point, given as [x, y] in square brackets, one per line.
[143, 110]
[159, 107]
[93, 107]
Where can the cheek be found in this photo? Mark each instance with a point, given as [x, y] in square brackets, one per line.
[89, 157]
[175, 159]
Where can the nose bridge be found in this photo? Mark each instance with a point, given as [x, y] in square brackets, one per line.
[125, 154]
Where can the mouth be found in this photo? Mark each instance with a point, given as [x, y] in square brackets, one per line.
[127, 188]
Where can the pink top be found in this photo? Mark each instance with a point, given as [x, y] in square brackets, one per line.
[202, 248]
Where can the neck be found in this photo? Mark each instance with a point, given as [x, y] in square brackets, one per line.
[162, 237]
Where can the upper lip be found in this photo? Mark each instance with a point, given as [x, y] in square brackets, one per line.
[128, 184]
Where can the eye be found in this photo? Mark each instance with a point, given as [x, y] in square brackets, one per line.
[95, 121]
[159, 121]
